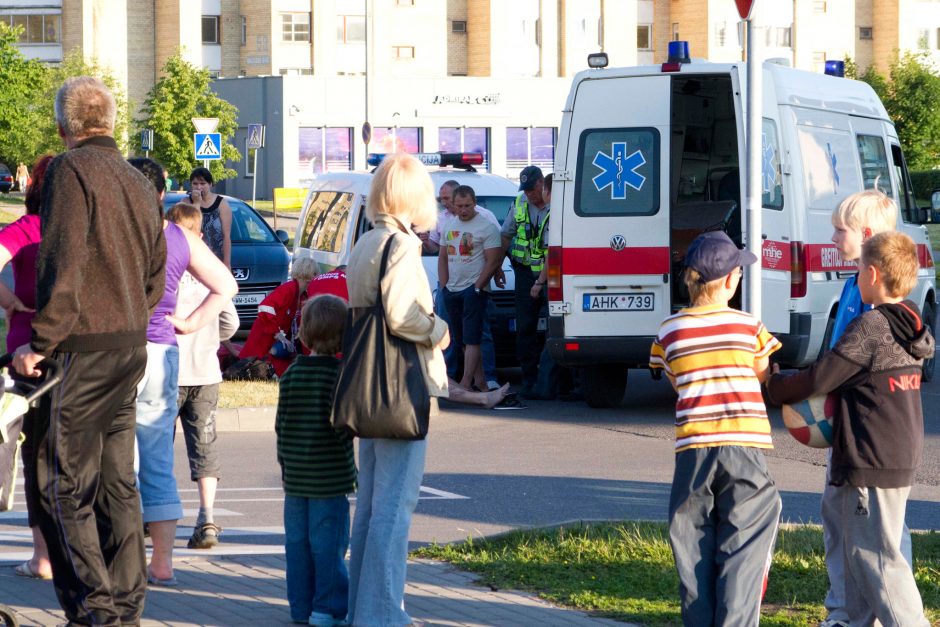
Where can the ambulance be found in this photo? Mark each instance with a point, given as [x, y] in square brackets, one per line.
[649, 157]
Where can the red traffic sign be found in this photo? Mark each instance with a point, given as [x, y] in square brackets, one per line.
[744, 8]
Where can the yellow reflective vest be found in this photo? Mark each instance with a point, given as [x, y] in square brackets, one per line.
[528, 247]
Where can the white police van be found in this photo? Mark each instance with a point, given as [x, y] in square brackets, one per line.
[649, 157]
[333, 218]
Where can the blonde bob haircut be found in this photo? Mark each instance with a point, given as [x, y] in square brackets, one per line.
[402, 188]
[303, 269]
[187, 216]
[85, 107]
[870, 209]
[895, 255]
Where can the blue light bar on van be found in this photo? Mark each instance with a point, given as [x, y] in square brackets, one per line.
[443, 159]
[677, 53]
[835, 68]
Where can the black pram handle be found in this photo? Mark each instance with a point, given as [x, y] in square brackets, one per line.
[53, 375]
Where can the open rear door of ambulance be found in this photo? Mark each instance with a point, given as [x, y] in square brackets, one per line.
[614, 258]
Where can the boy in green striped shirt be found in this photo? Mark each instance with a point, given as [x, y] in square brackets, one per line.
[318, 470]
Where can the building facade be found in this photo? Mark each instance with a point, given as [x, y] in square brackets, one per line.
[453, 75]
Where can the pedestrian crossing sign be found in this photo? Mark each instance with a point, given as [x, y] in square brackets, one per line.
[255, 136]
[208, 146]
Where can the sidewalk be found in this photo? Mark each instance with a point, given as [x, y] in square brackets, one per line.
[250, 590]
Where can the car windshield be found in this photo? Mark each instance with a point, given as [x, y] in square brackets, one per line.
[247, 226]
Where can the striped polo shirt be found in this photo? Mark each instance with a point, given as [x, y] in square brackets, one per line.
[710, 352]
[316, 460]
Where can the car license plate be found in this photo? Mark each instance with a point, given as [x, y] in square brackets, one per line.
[634, 301]
[248, 299]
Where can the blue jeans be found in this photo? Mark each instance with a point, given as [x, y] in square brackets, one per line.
[487, 347]
[316, 536]
[390, 473]
[157, 407]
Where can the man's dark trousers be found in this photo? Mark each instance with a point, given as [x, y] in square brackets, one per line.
[90, 508]
[528, 339]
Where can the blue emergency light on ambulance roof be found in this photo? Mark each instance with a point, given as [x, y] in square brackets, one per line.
[677, 53]
[835, 68]
[443, 159]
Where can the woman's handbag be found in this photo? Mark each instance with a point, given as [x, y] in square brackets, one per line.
[380, 391]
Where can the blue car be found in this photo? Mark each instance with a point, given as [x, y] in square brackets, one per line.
[260, 260]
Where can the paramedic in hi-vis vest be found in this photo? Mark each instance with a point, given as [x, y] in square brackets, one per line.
[525, 239]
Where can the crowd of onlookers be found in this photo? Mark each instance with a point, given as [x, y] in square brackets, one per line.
[134, 304]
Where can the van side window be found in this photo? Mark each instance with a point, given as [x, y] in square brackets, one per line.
[874, 160]
[771, 180]
[326, 223]
[907, 204]
[618, 172]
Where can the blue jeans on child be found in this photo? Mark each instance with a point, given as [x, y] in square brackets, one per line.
[316, 536]
[390, 473]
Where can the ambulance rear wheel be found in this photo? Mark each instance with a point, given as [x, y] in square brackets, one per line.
[603, 386]
[930, 319]
[7, 617]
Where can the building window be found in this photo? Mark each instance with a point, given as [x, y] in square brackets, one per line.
[404, 52]
[37, 29]
[530, 145]
[322, 149]
[675, 31]
[395, 139]
[864, 32]
[296, 71]
[782, 37]
[210, 29]
[405, 3]
[923, 39]
[819, 61]
[295, 27]
[459, 26]
[249, 161]
[819, 6]
[644, 38]
[351, 29]
[244, 30]
[721, 33]
[465, 139]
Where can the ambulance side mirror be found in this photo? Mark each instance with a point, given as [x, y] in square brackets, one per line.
[934, 206]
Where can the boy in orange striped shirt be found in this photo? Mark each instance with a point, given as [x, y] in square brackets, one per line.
[724, 507]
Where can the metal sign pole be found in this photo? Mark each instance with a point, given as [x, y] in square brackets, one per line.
[254, 177]
[755, 239]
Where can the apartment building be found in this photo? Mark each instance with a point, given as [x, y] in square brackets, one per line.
[481, 75]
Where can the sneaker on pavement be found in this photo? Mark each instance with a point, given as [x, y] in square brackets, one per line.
[205, 536]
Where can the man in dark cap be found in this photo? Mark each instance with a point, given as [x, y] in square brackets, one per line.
[525, 239]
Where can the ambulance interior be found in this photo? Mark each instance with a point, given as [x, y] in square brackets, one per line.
[704, 182]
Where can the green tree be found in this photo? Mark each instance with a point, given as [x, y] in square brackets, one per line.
[182, 94]
[22, 83]
[910, 94]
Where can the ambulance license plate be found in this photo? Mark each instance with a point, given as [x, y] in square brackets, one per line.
[634, 301]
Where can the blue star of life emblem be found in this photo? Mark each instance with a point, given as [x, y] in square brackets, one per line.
[768, 169]
[619, 170]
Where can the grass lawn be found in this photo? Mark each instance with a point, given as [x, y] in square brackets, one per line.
[234, 394]
[625, 571]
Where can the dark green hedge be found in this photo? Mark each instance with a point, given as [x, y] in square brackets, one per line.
[924, 183]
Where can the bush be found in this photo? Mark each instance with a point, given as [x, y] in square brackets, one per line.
[924, 182]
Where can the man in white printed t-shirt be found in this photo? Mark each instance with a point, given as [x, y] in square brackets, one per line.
[470, 254]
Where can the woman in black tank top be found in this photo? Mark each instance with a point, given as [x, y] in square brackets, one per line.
[216, 215]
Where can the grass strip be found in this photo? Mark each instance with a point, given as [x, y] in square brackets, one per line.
[234, 394]
[625, 570]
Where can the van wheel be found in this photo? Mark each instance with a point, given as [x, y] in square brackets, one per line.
[930, 319]
[603, 386]
[7, 617]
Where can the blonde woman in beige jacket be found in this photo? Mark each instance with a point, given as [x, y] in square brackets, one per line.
[390, 471]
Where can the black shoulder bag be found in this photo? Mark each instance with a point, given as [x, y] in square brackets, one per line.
[380, 391]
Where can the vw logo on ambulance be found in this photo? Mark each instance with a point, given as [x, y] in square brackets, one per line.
[618, 243]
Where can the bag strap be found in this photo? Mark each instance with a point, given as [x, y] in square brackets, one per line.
[385, 253]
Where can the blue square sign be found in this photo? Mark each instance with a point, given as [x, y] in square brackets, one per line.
[208, 146]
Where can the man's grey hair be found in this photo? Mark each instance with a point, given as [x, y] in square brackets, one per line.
[84, 107]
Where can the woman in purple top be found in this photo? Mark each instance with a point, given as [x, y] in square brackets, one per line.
[158, 391]
[19, 243]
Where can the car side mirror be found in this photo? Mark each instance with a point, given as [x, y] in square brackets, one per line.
[282, 236]
[935, 200]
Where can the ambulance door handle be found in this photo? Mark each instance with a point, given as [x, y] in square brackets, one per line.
[763, 236]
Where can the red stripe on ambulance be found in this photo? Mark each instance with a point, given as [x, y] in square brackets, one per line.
[606, 261]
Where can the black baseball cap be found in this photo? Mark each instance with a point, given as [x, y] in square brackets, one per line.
[714, 255]
[530, 175]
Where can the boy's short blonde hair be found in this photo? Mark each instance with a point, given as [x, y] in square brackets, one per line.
[869, 209]
[895, 255]
[187, 216]
[322, 322]
[699, 290]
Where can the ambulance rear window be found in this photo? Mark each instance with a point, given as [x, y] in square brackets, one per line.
[618, 172]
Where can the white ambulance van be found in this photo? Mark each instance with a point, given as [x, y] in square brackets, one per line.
[649, 157]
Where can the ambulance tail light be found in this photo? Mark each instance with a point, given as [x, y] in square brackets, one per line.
[798, 277]
[554, 274]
